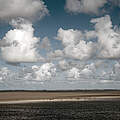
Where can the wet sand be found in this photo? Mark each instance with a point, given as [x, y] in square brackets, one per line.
[56, 96]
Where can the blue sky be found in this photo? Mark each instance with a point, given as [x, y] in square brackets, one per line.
[59, 44]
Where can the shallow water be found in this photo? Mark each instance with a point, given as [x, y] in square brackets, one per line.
[92, 110]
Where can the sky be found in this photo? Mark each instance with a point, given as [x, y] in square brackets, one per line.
[59, 44]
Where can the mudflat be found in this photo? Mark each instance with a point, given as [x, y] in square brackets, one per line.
[72, 110]
[60, 105]
[58, 95]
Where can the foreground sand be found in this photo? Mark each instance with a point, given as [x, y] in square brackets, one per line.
[40, 96]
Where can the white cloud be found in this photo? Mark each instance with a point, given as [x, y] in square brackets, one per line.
[84, 45]
[30, 9]
[74, 44]
[108, 38]
[99, 71]
[81, 51]
[84, 73]
[85, 6]
[73, 73]
[63, 65]
[69, 36]
[66, 64]
[89, 35]
[54, 55]
[88, 70]
[44, 72]
[4, 73]
[94, 73]
[27, 75]
[22, 43]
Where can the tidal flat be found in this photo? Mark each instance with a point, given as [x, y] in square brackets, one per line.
[74, 110]
[60, 105]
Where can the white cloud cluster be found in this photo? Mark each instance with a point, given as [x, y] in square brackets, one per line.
[91, 73]
[28, 9]
[95, 72]
[81, 45]
[84, 73]
[40, 73]
[22, 43]
[74, 44]
[37, 74]
[85, 6]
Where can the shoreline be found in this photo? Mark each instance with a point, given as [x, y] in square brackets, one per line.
[102, 98]
[55, 96]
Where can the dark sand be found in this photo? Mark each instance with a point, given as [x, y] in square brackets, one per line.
[74, 110]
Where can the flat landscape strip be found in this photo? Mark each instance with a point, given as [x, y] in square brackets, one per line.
[101, 98]
[56, 96]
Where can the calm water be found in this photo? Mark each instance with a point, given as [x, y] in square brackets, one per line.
[103, 110]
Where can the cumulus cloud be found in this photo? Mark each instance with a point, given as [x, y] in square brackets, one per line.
[44, 72]
[81, 51]
[4, 73]
[85, 6]
[73, 73]
[95, 72]
[69, 36]
[89, 71]
[22, 43]
[55, 55]
[90, 35]
[66, 64]
[106, 33]
[37, 74]
[83, 73]
[63, 65]
[84, 45]
[74, 44]
[28, 9]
